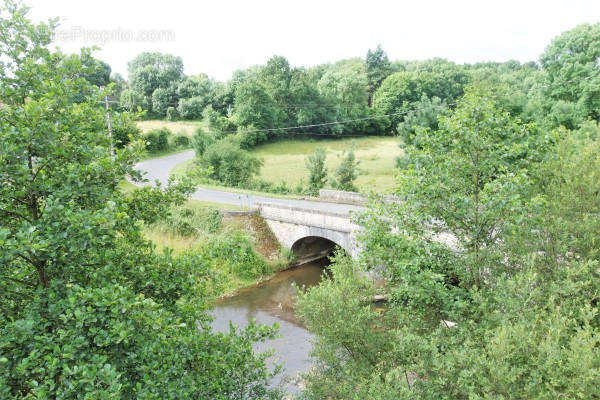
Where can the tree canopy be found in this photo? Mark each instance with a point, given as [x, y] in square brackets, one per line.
[89, 308]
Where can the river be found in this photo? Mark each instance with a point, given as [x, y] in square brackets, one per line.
[274, 301]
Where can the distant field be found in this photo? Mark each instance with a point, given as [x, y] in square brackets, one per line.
[187, 127]
[285, 160]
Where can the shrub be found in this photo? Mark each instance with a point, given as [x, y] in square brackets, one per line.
[317, 171]
[172, 113]
[346, 173]
[191, 108]
[230, 164]
[181, 140]
[424, 115]
[111, 343]
[124, 130]
[270, 187]
[157, 140]
[234, 250]
[201, 141]
[218, 125]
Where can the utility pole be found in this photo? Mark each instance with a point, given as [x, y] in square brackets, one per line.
[109, 126]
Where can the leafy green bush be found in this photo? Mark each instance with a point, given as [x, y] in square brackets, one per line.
[234, 251]
[201, 141]
[181, 140]
[346, 173]
[424, 115]
[231, 165]
[104, 343]
[270, 187]
[315, 163]
[157, 140]
[172, 113]
[191, 108]
[124, 130]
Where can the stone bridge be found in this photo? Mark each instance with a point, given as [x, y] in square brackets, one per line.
[310, 233]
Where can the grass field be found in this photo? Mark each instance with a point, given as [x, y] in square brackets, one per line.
[285, 160]
[186, 127]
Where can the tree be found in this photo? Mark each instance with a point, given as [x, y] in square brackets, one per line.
[162, 99]
[344, 87]
[485, 282]
[317, 171]
[191, 108]
[346, 172]
[151, 71]
[425, 115]
[95, 71]
[276, 77]
[400, 91]
[571, 61]
[378, 68]
[89, 309]
[230, 164]
[255, 110]
[130, 101]
[201, 141]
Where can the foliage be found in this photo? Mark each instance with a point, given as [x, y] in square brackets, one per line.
[95, 71]
[162, 99]
[157, 140]
[188, 221]
[378, 68]
[89, 310]
[317, 172]
[114, 344]
[234, 252]
[192, 107]
[181, 140]
[345, 89]
[571, 63]
[490, 265]
[201, 141]
[218, 125]
[124, 129]
[231, 165]
[172, 113]
[346, 173]
[151, 71]
[425, 115]
[130, 100]
[400, 91]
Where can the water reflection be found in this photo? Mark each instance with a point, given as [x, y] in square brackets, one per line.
[271, 302]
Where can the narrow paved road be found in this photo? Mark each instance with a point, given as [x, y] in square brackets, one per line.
[160, 169]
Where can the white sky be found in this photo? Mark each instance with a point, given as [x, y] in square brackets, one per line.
[217, 37]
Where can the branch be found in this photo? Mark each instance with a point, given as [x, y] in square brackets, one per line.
[15, 215]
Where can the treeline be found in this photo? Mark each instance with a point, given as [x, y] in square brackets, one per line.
[365, 96]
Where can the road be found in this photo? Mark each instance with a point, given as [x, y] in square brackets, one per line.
[160, 168]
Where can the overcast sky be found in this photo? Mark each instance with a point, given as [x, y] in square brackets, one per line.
[220, 36]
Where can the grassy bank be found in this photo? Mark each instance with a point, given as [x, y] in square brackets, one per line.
[239, 250]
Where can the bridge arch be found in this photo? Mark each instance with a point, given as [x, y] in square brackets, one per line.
[310, 248]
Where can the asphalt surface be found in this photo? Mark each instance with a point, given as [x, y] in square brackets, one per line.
[159, 169]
